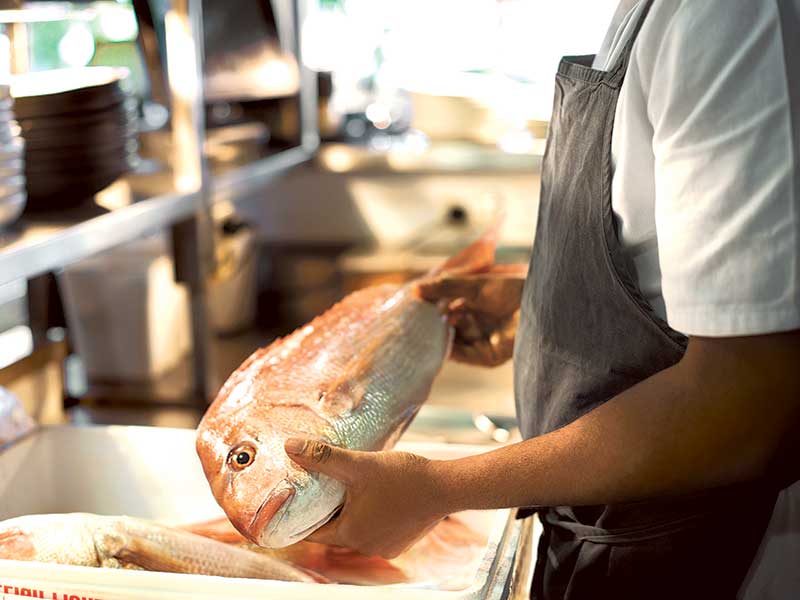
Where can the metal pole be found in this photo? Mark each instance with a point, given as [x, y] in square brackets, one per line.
[192, 240]
[18, 35]
[189, 270]
[309, 98]
[38, 300]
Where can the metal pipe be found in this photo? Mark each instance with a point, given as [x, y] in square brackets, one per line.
[309, 97]
[192, 239]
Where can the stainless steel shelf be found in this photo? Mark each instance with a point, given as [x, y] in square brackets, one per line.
[38, 244]
[174, 388]
[146, 203]
[242, 181]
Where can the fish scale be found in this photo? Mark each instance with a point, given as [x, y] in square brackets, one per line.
[321, 351]
[380, 416]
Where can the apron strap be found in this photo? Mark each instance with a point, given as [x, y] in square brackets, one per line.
[622, 66]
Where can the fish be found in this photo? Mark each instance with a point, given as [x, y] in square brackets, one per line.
[120, 542]
[354, 377]
[446, 558]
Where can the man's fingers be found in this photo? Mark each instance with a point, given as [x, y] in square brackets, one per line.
[493, 297]
[491, 351]
[445, 287]
[518, 270]
[323, 458]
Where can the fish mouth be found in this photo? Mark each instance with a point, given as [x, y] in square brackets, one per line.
[276, 500]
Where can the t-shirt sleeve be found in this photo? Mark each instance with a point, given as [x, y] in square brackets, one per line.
[723, 103]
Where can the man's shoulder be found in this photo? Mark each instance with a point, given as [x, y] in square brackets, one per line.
[702, 34]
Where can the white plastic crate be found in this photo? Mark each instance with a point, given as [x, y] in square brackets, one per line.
[154, 473]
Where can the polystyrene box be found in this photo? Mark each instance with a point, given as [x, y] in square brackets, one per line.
[154, 473]
[127, 316]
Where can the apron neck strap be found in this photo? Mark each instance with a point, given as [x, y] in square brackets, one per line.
[622, 66]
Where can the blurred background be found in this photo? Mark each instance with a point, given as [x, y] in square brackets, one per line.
[184, 181]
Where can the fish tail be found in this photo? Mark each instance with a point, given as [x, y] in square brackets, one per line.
[219, 529]
[478, 257]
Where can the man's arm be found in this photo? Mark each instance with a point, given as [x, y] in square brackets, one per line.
[720, 416]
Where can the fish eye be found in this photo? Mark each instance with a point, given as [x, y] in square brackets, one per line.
[241, 456]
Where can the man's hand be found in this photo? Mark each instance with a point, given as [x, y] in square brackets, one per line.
[391, 499]
[483, 309]
[727, 413]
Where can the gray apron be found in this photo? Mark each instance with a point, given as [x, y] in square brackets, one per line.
[586, 334]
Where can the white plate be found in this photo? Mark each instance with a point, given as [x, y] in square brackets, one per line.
[15, 149]
[11, 195]
[11, 172]
[12, 166]
[10, 186]
[58, 81]
[11, 208]
[11, 178]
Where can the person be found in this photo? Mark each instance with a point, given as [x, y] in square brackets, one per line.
[656, 357]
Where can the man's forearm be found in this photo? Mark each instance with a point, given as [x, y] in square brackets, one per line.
[703, 423]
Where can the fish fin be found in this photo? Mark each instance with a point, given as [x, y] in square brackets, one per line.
[115, 563]
[348, 391]
[221, 530]
[339, 564]
[478, 257]
[153, 556]
[350, 567]
[344, 394]
[317, 577]
[175, 551]
[108, 541]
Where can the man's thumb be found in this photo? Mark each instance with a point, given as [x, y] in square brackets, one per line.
[321, 457]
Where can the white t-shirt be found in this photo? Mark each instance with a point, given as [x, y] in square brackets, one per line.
[706, 187]
[706, 153]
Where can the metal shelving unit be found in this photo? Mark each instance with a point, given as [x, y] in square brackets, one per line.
[240, 182]
[38, 245]
[181, 200]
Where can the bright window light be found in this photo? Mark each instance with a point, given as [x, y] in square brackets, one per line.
[118, 24]
[76, 48]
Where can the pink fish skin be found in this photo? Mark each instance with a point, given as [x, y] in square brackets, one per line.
[354, 377]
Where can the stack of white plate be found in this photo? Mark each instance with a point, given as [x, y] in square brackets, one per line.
[12, 162]
[80, 133]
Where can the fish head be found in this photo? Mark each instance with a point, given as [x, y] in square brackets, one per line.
[270, 500]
